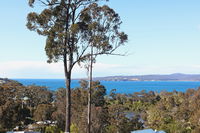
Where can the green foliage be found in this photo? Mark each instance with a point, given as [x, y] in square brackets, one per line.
[52, 129]
[71, 27]
[43, 112]
[98, 94]
[12, 114]
[17, 103]
[79, 106]
[74, 128]
[60, 102]
[173, 112]
[119, 118]
[36, 95]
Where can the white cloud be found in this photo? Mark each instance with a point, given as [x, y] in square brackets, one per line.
[41, 69]
[198, 27]
[30, 69]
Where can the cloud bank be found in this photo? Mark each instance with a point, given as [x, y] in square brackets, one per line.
[41, 69]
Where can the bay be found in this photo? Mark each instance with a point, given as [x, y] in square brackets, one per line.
[126, 87]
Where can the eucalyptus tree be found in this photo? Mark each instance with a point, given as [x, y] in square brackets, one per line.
[102, 35]
[71, 27]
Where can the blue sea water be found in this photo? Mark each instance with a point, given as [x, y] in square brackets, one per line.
[127, 87]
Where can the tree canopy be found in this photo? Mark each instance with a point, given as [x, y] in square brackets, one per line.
[71, 27]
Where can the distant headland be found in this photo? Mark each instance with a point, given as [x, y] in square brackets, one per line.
[153, 77]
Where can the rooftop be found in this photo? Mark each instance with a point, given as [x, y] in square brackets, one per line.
[147, 131]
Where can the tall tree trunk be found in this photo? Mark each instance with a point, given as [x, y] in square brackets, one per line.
[90, 90]
[68, 96]
[67, 70]
[68, 104]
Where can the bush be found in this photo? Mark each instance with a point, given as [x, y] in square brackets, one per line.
[53, 129]
[74, 128]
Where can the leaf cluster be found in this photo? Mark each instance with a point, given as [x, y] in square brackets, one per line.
[72, 26]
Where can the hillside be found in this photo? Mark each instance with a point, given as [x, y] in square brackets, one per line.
[4, 80]
[156, 77]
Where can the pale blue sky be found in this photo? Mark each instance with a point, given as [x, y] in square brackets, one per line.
[164, 37]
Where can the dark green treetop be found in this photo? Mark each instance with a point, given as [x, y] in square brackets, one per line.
[71, 27]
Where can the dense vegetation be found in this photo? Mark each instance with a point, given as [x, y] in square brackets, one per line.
[173, 112]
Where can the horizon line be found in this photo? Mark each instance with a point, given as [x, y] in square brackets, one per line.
[107, 76]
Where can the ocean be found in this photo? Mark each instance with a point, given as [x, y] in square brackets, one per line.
[127, 87]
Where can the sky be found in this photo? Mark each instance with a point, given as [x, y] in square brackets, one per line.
[164, 38]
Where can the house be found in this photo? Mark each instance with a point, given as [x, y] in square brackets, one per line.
[147, 131]
[2, 81]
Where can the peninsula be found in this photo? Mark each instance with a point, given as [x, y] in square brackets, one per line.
[156, 77]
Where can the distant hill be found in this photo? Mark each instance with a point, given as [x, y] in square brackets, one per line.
[6, 80]
[156, 77]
